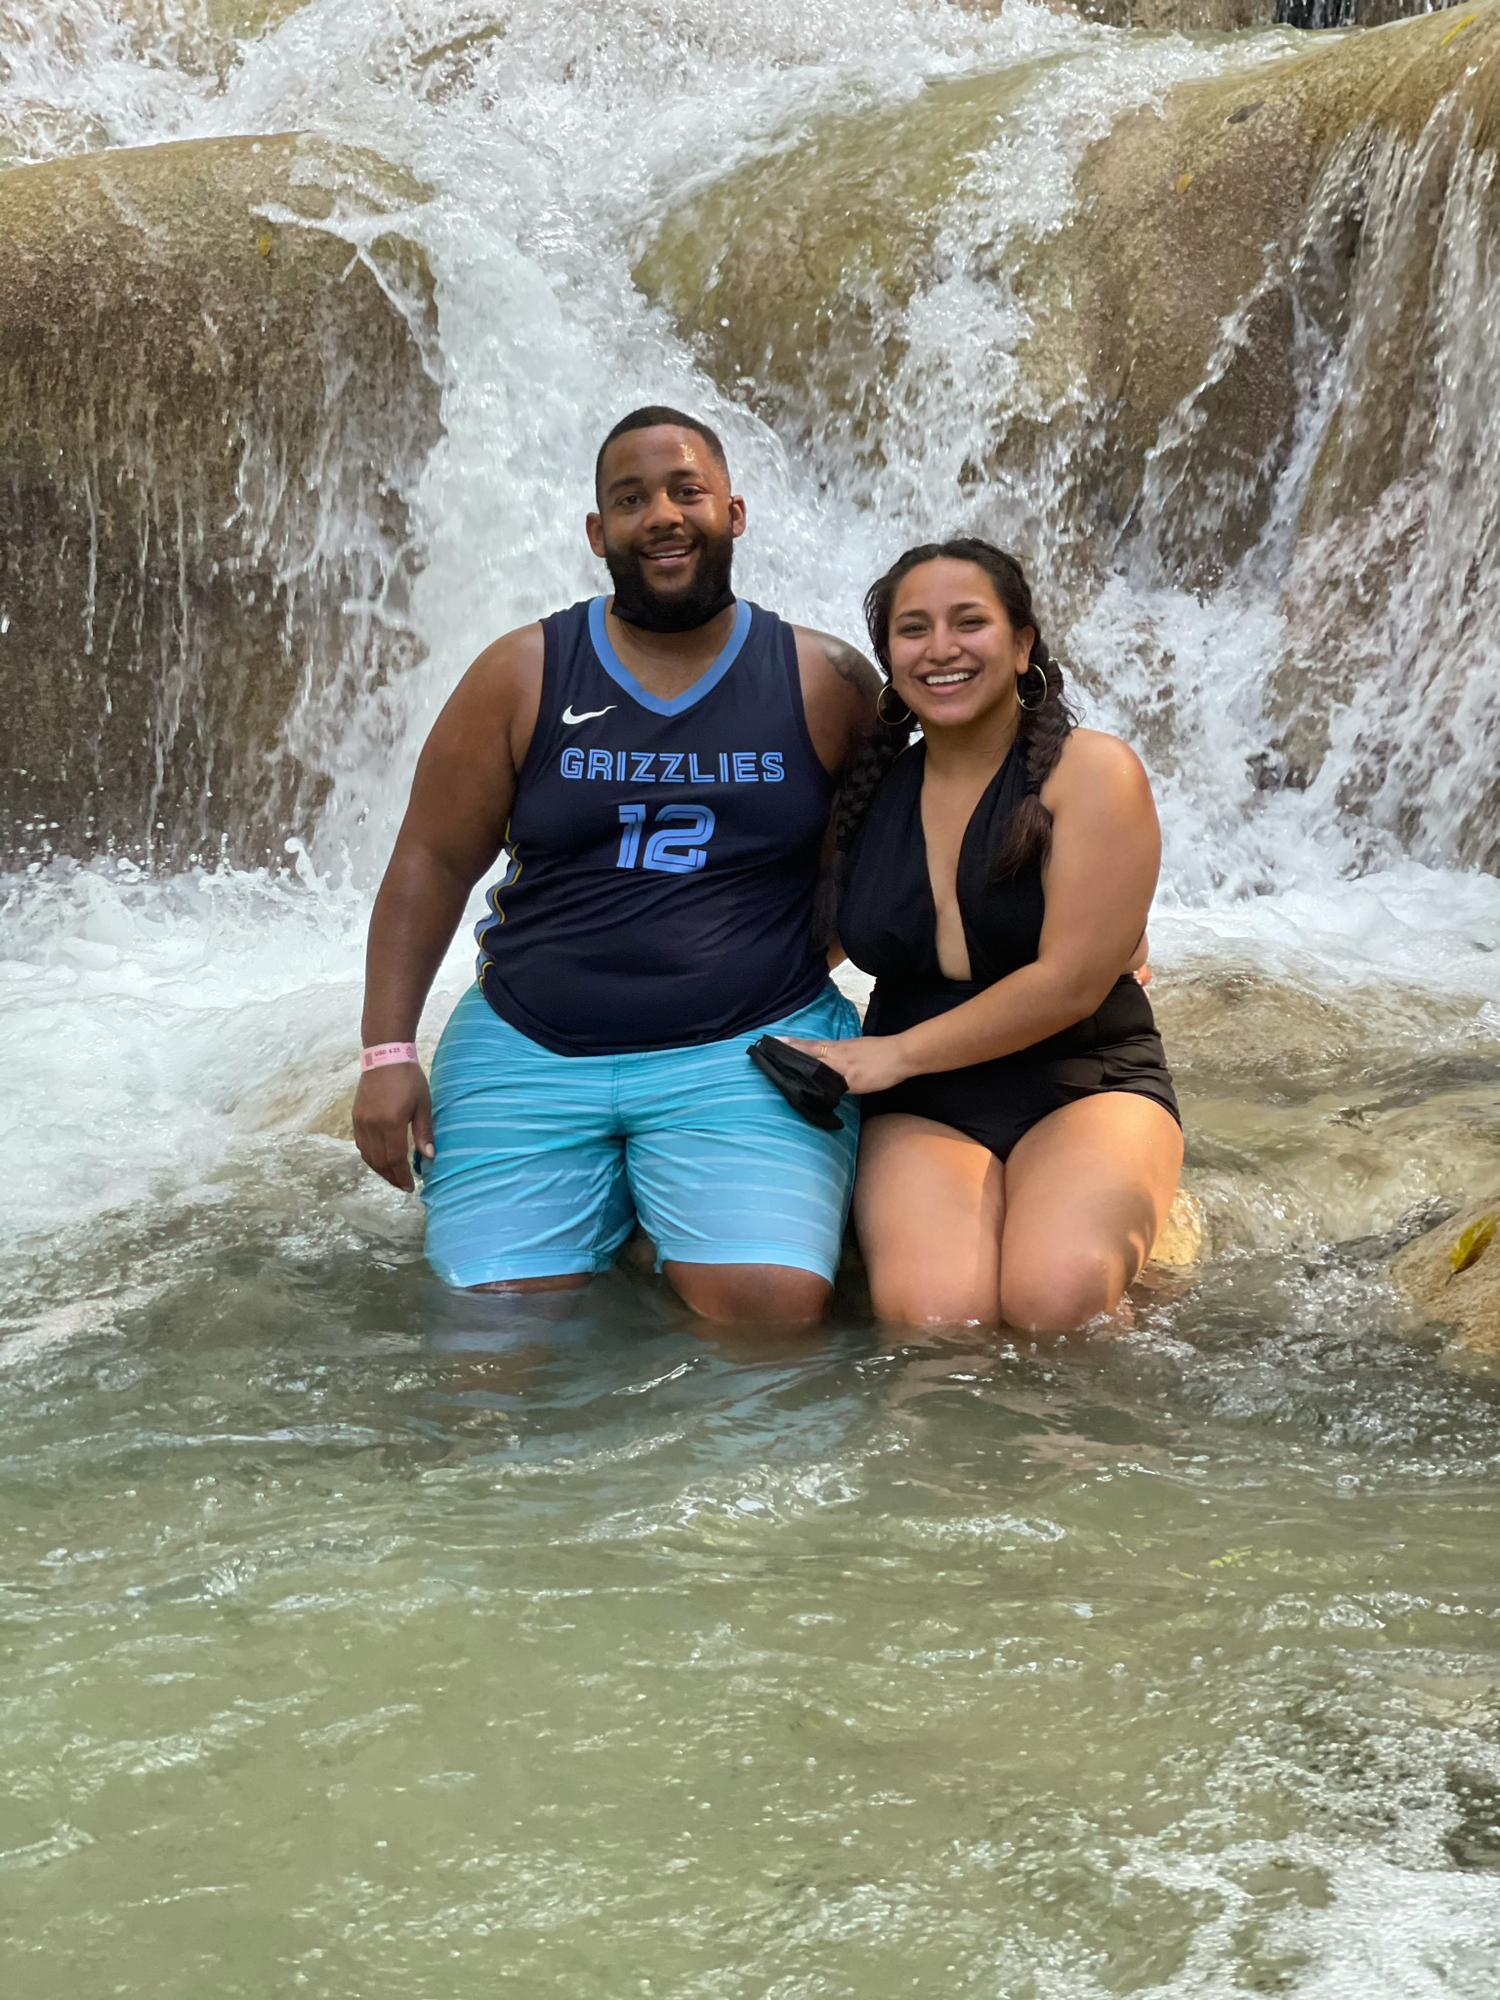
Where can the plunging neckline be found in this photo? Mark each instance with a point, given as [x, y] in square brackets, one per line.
[958, 865]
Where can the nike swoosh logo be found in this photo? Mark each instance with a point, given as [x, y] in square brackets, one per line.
[588, 715]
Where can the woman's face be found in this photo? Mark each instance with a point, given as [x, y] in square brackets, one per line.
[954, 653]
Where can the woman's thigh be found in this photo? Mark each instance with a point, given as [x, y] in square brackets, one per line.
[1086, 1193]
[929, 1205]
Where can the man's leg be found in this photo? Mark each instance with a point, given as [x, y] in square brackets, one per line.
[745, 1200]
[527, 1191]
[750, 1294]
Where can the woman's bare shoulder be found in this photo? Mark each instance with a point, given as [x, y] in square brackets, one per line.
[1099, 761]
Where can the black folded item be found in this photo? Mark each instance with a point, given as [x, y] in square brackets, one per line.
[808, 1085]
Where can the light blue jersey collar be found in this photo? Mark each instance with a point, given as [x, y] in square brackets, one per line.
[705, 684]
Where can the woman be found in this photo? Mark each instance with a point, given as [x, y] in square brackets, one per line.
[1021, 1140]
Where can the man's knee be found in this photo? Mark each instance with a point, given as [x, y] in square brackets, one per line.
[1060, 1295]
[757, 1294]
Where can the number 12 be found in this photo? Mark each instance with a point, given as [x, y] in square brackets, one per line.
[677, 847]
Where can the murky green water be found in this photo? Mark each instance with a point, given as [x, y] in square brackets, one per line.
[356, 1645]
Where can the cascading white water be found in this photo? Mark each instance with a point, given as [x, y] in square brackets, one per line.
[553, 141]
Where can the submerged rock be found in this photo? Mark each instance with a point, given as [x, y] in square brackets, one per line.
[216, 404]
[1466, 1300]
[1315, 1117]
[1184, 1234]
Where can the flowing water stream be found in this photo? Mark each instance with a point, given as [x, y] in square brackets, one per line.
[357, 1641]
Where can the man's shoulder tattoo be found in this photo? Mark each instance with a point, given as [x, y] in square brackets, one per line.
[849, 665]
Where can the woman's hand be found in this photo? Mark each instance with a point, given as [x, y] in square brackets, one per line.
[867, 1063]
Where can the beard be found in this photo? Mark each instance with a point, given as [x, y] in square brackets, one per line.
[638, 601]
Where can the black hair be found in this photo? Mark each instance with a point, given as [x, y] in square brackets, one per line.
[648, 418]
[1045, 722]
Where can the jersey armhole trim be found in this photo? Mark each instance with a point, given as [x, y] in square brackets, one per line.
[549, 681]
[793, 668]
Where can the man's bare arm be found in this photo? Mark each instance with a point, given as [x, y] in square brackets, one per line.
[839, 692]
[455, 823]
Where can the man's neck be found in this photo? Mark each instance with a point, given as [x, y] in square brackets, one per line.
[667, 663]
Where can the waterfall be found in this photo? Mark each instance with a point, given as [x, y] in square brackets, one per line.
[544, 157]
[1305, 713]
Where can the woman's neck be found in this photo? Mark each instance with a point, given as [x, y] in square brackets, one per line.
[980, 745]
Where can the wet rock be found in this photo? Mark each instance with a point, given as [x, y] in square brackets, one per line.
[1159, 362]
[1466, 1301]
[197, 37]
[1229, 16]
[1315, 1117]
[1389, 690]
[1180, 15]
[791, 275]
[1186, 16]
[215, 410]
[1354, 13]
[1264, 328]
[1208, 233]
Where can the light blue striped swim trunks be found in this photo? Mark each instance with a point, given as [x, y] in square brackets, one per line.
[544, 1163]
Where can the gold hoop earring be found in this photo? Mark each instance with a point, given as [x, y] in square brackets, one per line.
[1033, 667]
[902, 721]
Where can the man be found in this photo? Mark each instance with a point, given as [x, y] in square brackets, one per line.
[659, 766]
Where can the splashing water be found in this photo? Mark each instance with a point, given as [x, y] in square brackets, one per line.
[551, 147]
[356, 1646]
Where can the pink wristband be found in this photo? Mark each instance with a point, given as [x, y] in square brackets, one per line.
[387, 1052]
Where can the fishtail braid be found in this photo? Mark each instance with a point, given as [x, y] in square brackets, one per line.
[1044, 728]
[864, 776]
[862, 779]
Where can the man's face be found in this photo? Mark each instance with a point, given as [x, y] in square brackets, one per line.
[666, 526]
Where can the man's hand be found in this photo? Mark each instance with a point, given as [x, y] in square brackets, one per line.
[866, 1062]
[391, 1103]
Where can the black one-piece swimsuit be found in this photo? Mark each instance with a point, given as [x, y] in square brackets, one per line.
[888, 926]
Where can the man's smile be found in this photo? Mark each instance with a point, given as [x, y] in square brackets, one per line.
[672, 556]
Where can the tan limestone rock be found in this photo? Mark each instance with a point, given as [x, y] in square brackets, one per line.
[212, 413]
[1467, 1301]
[1169, 295]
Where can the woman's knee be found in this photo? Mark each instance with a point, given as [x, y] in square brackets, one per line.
[914, 1298]
[1060, 1294]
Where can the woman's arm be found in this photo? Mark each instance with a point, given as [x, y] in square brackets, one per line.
[1100, 877]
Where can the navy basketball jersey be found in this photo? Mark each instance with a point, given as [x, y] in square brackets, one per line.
[662, 854]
